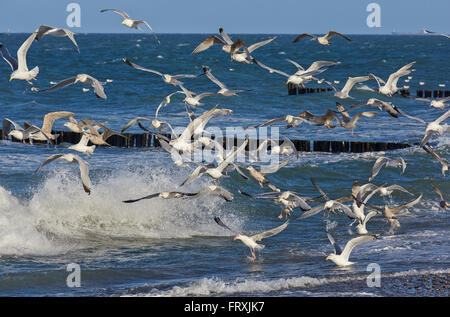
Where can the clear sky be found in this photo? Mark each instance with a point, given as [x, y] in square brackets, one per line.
[236, 16]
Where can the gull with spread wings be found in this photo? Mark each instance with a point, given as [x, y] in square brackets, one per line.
[323, 40]
[251, 241]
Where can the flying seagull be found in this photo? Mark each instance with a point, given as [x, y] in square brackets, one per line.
[436, 128]
[389, 88]
[341, 257]
[169, 79]
[58, 32]
[226, 42]
[445, 165]
[321, 39]
[20, 133]
[251, 241]
[132, 24]
[19, 66]
[386, 162]
[72, 158]
[443, 203]
[211, 189]
[84, 79]
[224, 91]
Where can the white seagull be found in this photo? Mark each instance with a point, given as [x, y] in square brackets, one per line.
[341, 257]
[251, 241]
[389, 88]
[132, 24]
[324, 40]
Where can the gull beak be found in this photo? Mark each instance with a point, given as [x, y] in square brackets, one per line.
[45, 33]
[10, 78]
[327, 258]
[9, 133]
[235, 238]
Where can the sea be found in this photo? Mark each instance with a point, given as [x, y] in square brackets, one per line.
[56, 240]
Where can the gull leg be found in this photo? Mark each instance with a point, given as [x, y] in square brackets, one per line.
[253, 255]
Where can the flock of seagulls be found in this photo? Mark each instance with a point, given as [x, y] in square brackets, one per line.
[194, 137]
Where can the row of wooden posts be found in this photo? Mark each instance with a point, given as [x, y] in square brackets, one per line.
[146, 140]
[294, 90]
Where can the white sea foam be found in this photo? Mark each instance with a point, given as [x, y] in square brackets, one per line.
[60, 215]
[216, 286]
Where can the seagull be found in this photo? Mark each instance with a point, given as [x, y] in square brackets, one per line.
[291, 121]
[132, 24]
[210, 41]
[393, 110]
[84, 79]
[245, 57]
[72, 158]
[82, 146]
[195, 127]
[444, 164]
[431, 32]
[436, 128]
[58, 32]
[216, 172]
[390, 87]
[211, 189]
[251, 241]
[440, 104]
[318, 65]
[224, 91]
[286, 148]
[386, 162]
[20, 133]
[443, 203]
[155, 123]
[259, 175]
[288, 199]
[330, 204]
[169, 79]
[350, 122]
[194, 100]
[389, 212]
[351, 81]
[325, 120]
[164, 103]
[340, 257]
[323, 40]
[47, 124]
[295, 79]
[96, 137]
[19, 66]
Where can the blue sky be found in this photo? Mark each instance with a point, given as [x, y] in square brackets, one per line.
[236, 16]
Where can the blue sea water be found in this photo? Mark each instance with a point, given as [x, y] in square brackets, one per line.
[173, 247]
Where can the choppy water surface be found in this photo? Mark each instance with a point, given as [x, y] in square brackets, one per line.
[173, 247]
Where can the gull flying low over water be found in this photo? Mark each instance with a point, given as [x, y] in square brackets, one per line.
[324, 40]
[313, 67]
[72, 158]
[58, 32]
[350, 122]
[431, 32]
[286, 148]
[215, 172]
[251, 241]
[20, 133]
[389, 88]
[211, 189]
[330, 204]
[295, 79]
[325, 120]
[19, 66]
[341, 257]
[386, 162]
[210, 41]
[192, 99]
[84, 79]
[47, 124]
[351, 81]
[82, 145]
[393, 110]
[288, 199]
[437, 103]
[95, 136]
[224, 91]
[132, 24]
[444, 164]
[244, 56]
[443, 203]
[169, 79]
[259, 176]
[436, 128]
